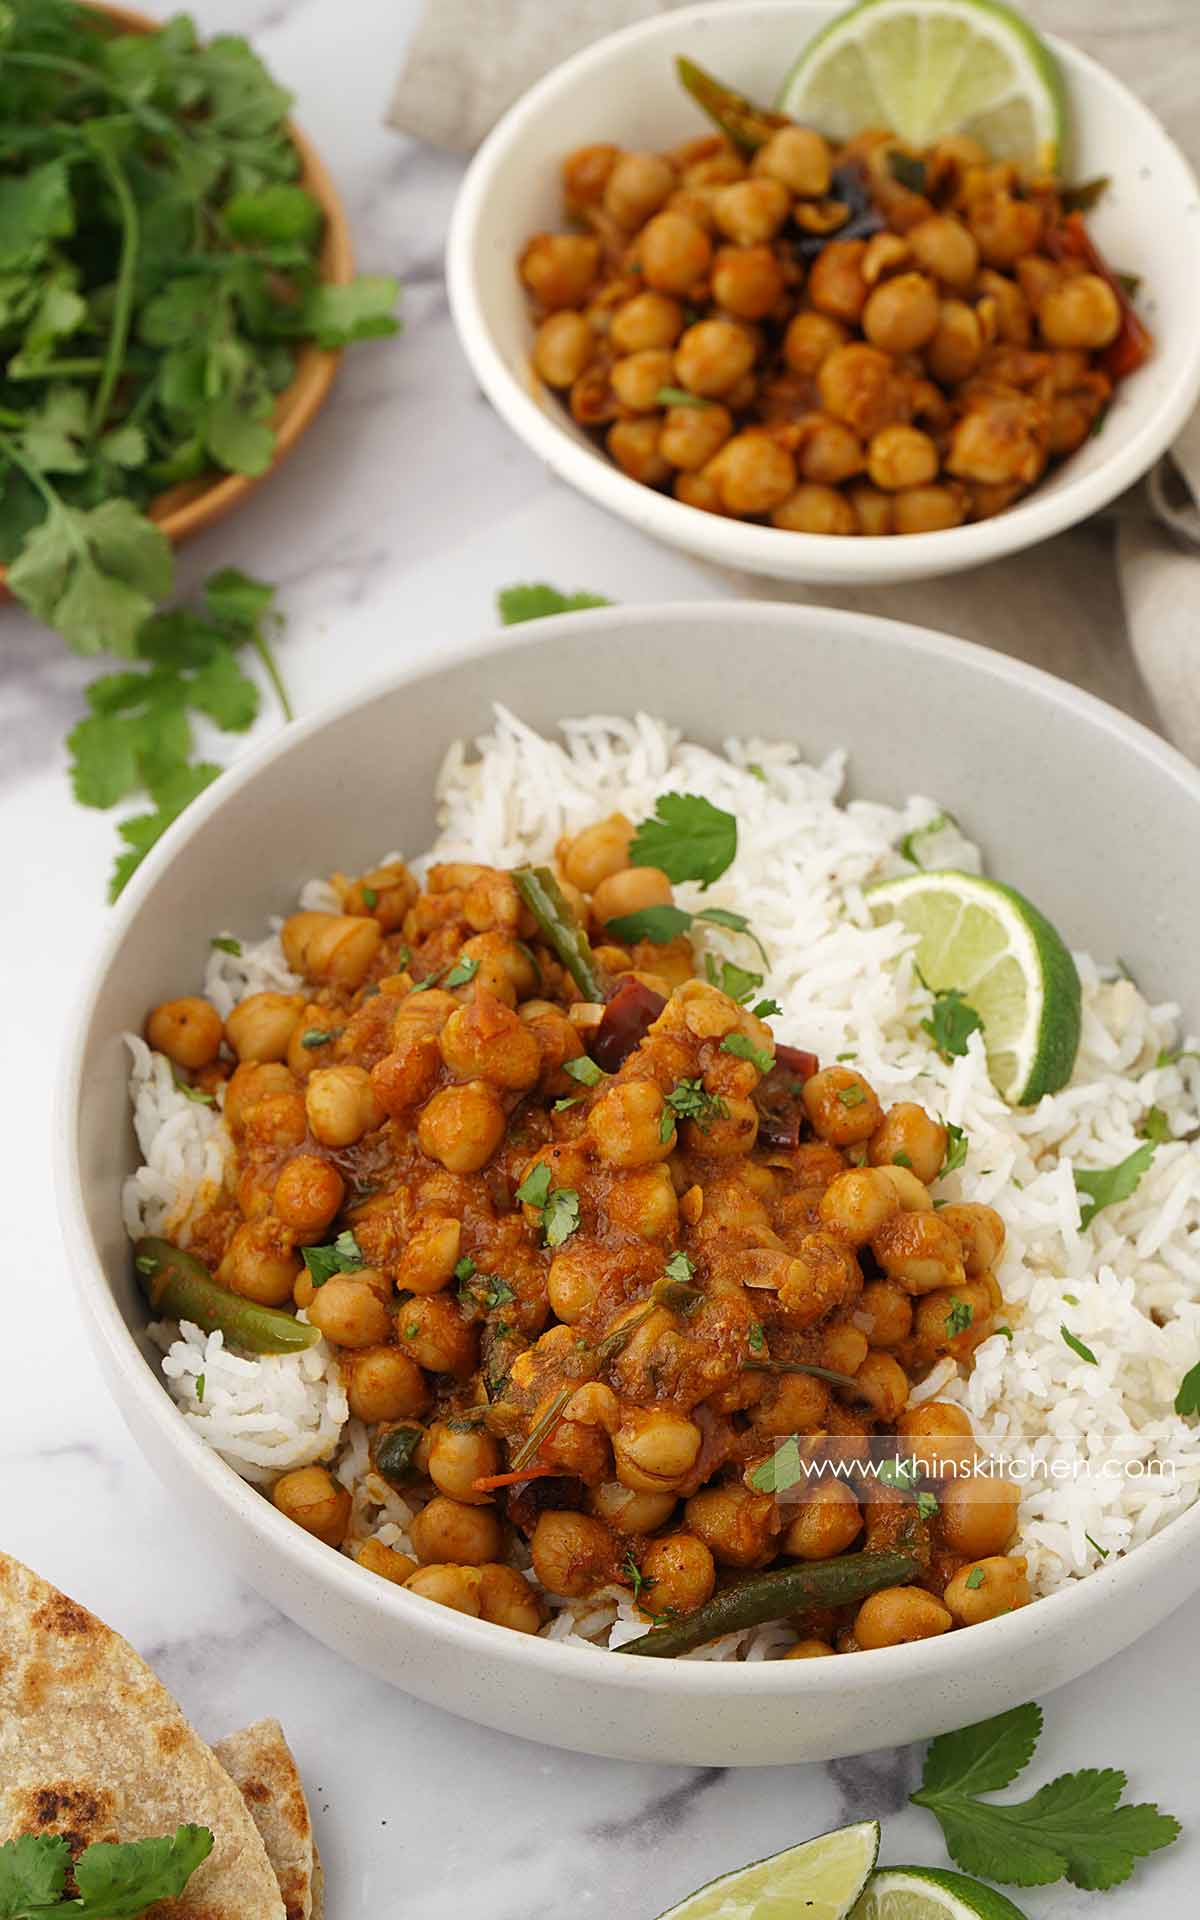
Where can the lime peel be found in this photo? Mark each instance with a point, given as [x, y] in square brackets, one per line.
[823, 1879]
[931, 1893]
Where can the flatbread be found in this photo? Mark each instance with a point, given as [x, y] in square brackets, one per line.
[93, 1747]
[260, 1763]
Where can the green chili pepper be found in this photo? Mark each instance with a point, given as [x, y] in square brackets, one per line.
[394, 1454]
[769, 1596]
[180, 1286]
[747, 125]
[560, 929]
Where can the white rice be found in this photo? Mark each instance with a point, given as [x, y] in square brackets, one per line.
[1128, 1287]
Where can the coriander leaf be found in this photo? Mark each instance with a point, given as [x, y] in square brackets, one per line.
[959, 1318]
[690, 1100]
[104, 759]
[237, 599]
[222, 691]
[744, 1048]
[1077, 1346]
[957, 1147]
[1073, 1828]
[780, 1470]
[537, 601]
[756, 1338]
[680, 397]
[119, 1881]
[534, 1190]
[736, 922]
[276, 215]
[33, 1873]
[461, 973]
[1169, 1057]
[951, 1022]
[238, 433]
[1108, 1185]
[142, 831]
[976, 1578]
[679, 1267]
[984, 1757]
[560, 1216]
[688, 838]
[343, 1255]
[1156, 1127]
[125, 446]
[909, 845]
[225, 943]
[35, 208]
[738, 982]
[364, 309]
[584, 1070]
[766, 1009]
[94, 575]
[658, 924]
[54, 433]
[1187, 1400]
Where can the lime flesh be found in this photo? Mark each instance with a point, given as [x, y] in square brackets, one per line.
[821, 1880]
[1007, 961]
[931, 1893]
[925, 69]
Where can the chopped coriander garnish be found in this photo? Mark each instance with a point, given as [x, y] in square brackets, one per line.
[927, 1505]
[482, 1291]
[957, 1147]
[558, 1206]
[850, 1055]
[1096, 1547]
[1187, 1400]
[200, 1381]
[951, 1022]
[196, 1094]
[679, 1267]
[584, 1070]
[1077, 1346]
[852, 1096]
[516, 604]
[146, 1263]
[662, 924]
[412, 1330]
[423, 986]
[902, 1159]
[534, 1189]
[464, 1269]
[690, 1100]
[317, 1036]
[766, 1009]
[225, 943]
[757, 1338]
[1005, 1332]
[975, 1579]
[568, 1100]
[1171, 1057]
[743, 1048]
[1107, 1185]
[461, 973]
[1156, 1127]
[757, 769]
[959, 1318]
[679, 397]
[1072, 1299]
[738, 982]
[344, 1255]
[666, 1125]
[370, 899]
[906, 847]
[639, 1582]
[687, 838]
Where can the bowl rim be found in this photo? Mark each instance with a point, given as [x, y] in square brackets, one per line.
[737, 542]
[188, 508]
[941, 1659]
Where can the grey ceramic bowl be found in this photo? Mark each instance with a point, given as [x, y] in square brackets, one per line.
[1090, 814]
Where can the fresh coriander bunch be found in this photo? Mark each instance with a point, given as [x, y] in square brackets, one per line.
[159, 269]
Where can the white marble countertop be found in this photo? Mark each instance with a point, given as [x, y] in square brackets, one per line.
[389, 533]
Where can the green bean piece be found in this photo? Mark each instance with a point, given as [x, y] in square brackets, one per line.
[180, 1286]
[560, 929]
[747, 125]
[751, 1603]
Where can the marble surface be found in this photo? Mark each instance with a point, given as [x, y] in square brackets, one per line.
[409, 505]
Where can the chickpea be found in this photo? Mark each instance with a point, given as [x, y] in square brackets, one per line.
[508, 1600]
[1001, 437]
[645, 320]
[798, 157]
[558, 268]
[908, 1137]
[902, 314]
[655, 1448]
[485, 1041]
[449, 1530]
[462, 1126]
[1004, 228]
[386, 1384]
[809, 1649]
[753, 473]
[823, 1274]
[586, 173]
[955, 350]
[635, 446]
[432, 1330]
[458, 1456]
[563, 347]
[450, 1586]
[711, 161]
[698, 490]
[898, 1615]
[843, 1347]
[793, 1403]
[506, 968]
[335, 947]
[1003, 310]
[873, 511]
[308, 1194]
[630, 891]
[883, 1384]
[986, 1589]
[573, 1282]
[945, 248]
[814, 509]
[981, 1232]
[312, 1498]
[341, 1105]
[428, 1261]
[573, 1553]
[712, 357]
[401, 1080]
[978, 1514]
[692, 435]
[644, 1203]
[598, 852]
[836, 285]
[901, 456]
[1082, 311]
[885, 1313]
[350, 1313]
[261, 1026]
[679, 1572]
[856, 1204]
[249, 1086]
[809, 340]
[637, 187]
[385, 1561]
[920, 1251]
[914, 1196]
[628, 1510]
[736, 1525]
[675, 252]
[188, 1031]
[827, 1521]
[830, 451]
[859, 385]
[278, 1121]
[927, 509]
[747, 281]
[938, 1437]
[259, 1263]
[841, 1106]
[637, 378]
[627, 1125]
[750, 212]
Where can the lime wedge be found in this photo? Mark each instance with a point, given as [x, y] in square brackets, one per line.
[821, 1879]
[931, 1893]
[927, 68]
[1007, 961]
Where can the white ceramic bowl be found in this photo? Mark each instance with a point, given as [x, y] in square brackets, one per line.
[624, 89]
[921, 713]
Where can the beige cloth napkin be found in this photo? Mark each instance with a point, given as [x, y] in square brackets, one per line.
[1113, 605]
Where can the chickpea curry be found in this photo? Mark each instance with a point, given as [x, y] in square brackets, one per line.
[857, 340]
[594, 1252]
